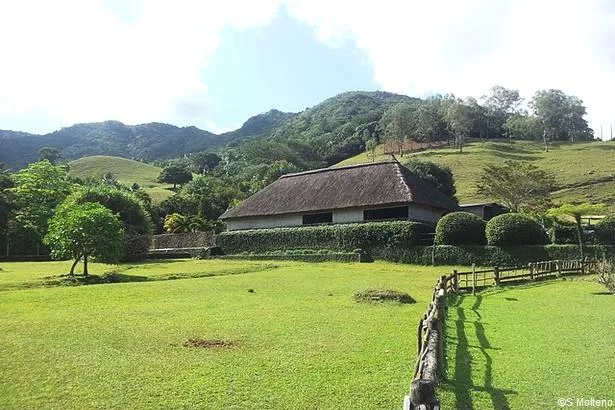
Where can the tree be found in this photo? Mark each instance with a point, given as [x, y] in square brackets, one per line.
[523, 127]
[398, 123]
[202, 162]
[51, 154]
[175, 174]
[38, 190]
[83, 231]
[520, 186]
[439, 176]
[430, 124]
[576, 212]
[460, 119]
[561, 115]
[130, 209]
[370, 147]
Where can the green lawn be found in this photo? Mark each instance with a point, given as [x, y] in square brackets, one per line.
[586, 168]
[525, 347]
[300, 340]
[126, 171]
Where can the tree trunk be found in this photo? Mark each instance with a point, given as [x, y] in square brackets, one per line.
[72, 268]
[580, 235]
[85, 265]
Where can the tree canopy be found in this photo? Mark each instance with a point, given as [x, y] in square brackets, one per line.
[175, 174]
[520, 186]
[85, 230]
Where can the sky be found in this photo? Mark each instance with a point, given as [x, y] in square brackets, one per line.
[213, 64]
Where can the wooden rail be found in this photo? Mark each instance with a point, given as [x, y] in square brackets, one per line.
[430, 329]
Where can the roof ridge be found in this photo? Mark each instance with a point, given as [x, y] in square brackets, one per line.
[330, 169]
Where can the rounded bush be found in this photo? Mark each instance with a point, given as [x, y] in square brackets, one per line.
[460, 228]
[605, 230]
[513, 230]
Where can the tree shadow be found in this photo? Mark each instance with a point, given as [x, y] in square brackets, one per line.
[463, 383]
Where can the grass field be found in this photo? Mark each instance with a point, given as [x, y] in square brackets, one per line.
[126, 171]
[584, 171]
[525, 347]
[299, 339]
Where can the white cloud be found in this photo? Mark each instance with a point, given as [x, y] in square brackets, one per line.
[139, 61]
[465, 47]
[82, 61]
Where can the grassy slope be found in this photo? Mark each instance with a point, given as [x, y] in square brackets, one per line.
[125, 170]
[573, 164]
[304, 343]
[526, 347]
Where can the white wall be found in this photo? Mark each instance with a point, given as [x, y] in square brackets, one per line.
[348, 215]
[271, 221]
[424, 213]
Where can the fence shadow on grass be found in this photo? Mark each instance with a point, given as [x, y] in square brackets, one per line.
[463, 385]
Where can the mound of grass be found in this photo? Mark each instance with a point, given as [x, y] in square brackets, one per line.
[382, 295]
[125, 170]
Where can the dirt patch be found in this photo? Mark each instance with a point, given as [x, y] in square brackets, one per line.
[211, 343]
[382, 295]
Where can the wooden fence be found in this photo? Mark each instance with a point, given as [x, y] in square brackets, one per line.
[430, 329]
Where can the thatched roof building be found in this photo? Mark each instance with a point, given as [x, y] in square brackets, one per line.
[373, 191]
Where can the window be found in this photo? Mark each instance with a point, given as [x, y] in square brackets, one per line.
[399, 212]
[321, 218]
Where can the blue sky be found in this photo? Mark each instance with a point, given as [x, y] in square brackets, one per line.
[281, 65]
[213, 64]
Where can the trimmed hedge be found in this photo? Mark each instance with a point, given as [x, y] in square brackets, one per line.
[490, 255]
[369, 236]
[514, 230]
[605, 230]
[303, 256]
[564, 234]
[460, 228]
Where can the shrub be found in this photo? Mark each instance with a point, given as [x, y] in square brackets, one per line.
[460, 228]
[564, 234]
[606, 275]
[514, 230]
[605, 230]
[343, 237]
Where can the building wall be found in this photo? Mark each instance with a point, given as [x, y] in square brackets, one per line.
[347, 215]
[416, 213]
[272, 221]
[423, 213]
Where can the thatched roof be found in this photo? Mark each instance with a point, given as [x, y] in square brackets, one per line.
[372, 184]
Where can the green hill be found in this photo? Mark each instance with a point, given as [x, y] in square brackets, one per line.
[125, 170]
[583, 171]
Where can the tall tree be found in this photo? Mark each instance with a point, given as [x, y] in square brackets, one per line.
[561, 115]
[398, 123]
[460, 118]
[202, 162]
[39, 188]
[520, 186]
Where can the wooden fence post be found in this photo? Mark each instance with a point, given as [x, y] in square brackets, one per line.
[531, 268]
[558, 266]
[455, 281]
[474, 279]
[496, 276]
